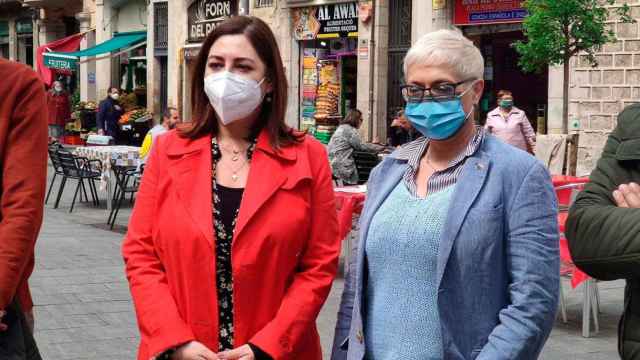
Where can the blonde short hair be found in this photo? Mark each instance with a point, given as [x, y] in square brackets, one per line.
[447, 48]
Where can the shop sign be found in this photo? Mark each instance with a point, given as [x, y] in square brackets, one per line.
[191, 52]
[24, 26]
[326, 21]
[472, 12]
[53, 62]
[204, 15]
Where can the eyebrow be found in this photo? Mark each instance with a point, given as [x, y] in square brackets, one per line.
[239, 59]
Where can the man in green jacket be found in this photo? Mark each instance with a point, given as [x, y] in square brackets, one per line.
[603, 228]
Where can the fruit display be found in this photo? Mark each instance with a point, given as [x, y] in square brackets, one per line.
[133, 116]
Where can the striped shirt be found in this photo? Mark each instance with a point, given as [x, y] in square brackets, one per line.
[440, 180]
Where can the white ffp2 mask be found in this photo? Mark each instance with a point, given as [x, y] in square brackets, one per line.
[233, 97]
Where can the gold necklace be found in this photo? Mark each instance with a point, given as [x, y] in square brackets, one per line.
[234, 152]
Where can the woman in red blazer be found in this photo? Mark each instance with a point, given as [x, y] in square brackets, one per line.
[233, 243]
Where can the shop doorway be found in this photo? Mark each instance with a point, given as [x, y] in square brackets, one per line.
[502, 72]
[399, 44]
[328, 84]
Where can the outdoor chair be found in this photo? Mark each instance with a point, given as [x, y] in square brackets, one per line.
[57, 167]
[127, 182]
[365, 162]
[80, 169]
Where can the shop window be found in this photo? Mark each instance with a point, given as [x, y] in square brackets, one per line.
[263, 3]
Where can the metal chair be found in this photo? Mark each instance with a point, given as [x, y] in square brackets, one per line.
[123, 178]
[365, 162]
[78, 168]
[57, 166]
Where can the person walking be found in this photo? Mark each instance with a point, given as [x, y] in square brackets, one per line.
[510, 124]
[344, 142]
[602, 227]
[59, 110]
[109, 112]
[458, 252]
[234, 279]
[23, 173]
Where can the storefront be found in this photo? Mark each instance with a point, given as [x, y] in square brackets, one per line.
[24, 29]
[495, 25]
[4, 39]
[328, 39]
[128, 49]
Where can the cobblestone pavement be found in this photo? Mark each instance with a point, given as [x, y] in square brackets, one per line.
[84, 311]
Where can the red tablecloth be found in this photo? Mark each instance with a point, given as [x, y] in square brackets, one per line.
[577, 276]
[347, 205]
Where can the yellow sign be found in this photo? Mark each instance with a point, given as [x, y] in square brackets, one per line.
[439, 4]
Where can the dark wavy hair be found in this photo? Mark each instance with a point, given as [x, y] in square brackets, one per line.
[272, 114]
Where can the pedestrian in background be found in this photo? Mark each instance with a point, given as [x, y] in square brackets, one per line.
[59, 110]
[233, 278]
[109, 112]
[510, 124]
[23, 173]
[458, 255]
[169, 120]
[402, 131]
[603, 227]
[344, 142]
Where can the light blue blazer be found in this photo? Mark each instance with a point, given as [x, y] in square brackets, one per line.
[498, 261]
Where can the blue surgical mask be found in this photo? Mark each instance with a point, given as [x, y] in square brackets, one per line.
[438, 120]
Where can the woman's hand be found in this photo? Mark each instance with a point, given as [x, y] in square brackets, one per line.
[194, 351]
[244, 352]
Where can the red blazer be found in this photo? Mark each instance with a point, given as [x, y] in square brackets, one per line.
[23, 175]
[284, 253]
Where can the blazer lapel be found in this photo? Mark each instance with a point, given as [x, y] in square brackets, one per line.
[266, 175]
[471, 182]
[190, 168]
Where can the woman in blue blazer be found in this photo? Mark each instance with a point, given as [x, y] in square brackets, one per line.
[458, 250]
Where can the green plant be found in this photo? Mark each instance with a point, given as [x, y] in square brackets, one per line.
[75, 99]
[557, 30]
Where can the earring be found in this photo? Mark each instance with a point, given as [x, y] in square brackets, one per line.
[268, 98]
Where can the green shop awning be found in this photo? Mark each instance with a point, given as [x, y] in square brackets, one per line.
[69, 60]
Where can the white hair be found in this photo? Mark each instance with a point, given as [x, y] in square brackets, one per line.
[447, 48]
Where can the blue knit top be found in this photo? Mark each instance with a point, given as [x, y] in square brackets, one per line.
[401, 318]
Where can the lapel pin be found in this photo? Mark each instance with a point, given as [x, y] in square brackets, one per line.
[480, 166]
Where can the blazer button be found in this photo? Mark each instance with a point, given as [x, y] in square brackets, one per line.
[359, 336]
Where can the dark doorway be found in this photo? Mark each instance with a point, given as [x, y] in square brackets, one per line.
[399, 44]
[502, 72]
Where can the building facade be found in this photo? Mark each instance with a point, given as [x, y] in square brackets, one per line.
[596, 95]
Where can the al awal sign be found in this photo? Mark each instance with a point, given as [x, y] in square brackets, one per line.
[326, 21]
[204, 15]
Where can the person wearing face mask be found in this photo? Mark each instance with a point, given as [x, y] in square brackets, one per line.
[458, 251]
[234, 278]
[59, 110]
[109, 112]
[510, 124]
